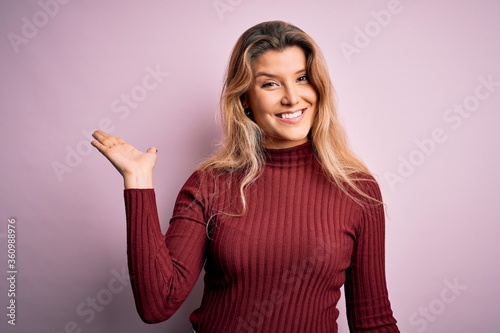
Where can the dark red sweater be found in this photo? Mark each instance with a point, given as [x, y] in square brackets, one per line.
[279, 268]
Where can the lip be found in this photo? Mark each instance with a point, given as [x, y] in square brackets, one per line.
[292, 120]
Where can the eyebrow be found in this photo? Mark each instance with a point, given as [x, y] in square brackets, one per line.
[275, 76]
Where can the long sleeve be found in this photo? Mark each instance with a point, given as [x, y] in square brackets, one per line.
[277, 268]
[367, 302]
[163, 269]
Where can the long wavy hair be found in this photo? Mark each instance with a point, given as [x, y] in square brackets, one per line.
[241, 148]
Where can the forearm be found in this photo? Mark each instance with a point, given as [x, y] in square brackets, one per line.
[163, 269]
[144, 245]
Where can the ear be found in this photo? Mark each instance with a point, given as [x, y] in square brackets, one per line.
[249, 114]
[244, 101]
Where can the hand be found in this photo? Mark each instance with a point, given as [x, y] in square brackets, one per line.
[135, 166]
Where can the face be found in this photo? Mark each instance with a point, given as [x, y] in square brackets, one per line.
[282, 99]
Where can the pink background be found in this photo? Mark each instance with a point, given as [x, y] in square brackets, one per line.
[397, 80]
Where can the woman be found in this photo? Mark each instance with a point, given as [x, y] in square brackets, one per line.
[280, 217]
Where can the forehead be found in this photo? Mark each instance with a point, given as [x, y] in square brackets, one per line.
[289, 60]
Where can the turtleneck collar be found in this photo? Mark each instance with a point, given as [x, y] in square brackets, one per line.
[289, 156]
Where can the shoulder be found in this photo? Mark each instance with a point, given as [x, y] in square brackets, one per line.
[368, 185]
[366, 196]
[206, 182]
[198, 181]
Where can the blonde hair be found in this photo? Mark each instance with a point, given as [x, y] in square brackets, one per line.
[241, 148]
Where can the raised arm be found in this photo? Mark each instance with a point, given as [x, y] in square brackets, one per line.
[163, 268]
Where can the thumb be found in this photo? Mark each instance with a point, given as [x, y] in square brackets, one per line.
[152, 150]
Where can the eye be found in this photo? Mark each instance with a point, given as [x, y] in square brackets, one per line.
[269, 85]
[303, 78]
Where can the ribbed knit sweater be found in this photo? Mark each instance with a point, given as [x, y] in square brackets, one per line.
[278, 268]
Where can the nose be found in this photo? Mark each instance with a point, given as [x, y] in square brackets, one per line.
[290, 96]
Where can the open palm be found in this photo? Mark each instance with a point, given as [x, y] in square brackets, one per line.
[126, 158]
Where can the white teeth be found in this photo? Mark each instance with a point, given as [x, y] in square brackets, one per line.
[290, 115]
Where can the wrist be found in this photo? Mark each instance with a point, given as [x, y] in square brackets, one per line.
[138, 180]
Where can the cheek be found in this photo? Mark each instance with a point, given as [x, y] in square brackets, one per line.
[262, 119]
[263, 103]
[311, 96]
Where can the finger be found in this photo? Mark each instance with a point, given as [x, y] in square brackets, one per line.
[106, 138]
[98, 133]
[152, 150]
[112, 140]
[100, 136]
[102, 148]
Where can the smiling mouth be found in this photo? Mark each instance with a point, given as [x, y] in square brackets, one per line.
[290, 115]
